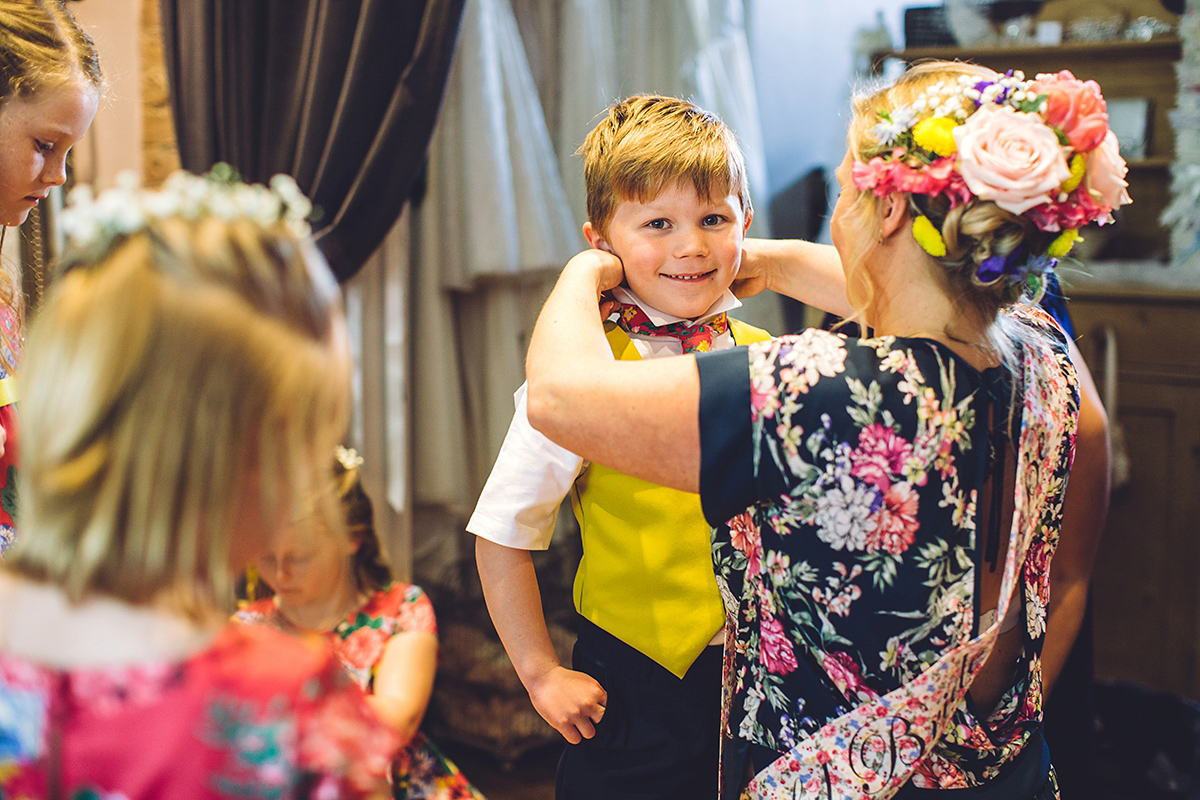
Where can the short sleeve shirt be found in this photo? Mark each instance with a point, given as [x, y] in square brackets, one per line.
[850, 473]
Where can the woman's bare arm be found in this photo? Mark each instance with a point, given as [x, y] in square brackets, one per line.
[805, 271]
[639, 417]
[404, 681]
[1084, 510]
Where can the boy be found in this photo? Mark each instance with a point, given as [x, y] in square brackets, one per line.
[667, 195]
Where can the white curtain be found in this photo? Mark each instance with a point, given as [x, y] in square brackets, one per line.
[494, 227]
[500, 216]
[377, 310]
[694, 49]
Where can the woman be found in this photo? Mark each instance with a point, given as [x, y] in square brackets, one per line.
[383, 630]
[185, 379]
[888, 580]
[50, 84]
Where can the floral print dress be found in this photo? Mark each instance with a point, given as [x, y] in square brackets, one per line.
[852, 579]
[256, 716]
[421, 771]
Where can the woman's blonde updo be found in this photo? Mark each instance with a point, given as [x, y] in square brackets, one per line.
[973, 231]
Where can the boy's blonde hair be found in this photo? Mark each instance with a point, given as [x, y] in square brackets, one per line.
[649, 142]
[186, 383]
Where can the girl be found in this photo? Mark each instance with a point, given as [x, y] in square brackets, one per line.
[382, 630]
[188, 365]
[50, 84]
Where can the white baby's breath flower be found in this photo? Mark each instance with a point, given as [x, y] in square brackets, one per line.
[125, 209]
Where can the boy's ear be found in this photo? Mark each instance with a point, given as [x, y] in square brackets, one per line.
[749, 219]
[594, 239]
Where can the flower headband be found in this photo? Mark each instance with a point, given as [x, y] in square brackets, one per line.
[1040, 148]
[126, 208]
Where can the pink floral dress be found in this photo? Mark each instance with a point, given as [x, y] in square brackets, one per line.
[256, 715]
[421, 771]
[852, 580]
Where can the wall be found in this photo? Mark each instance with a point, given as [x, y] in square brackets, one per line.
[802, 55]
[114, 142]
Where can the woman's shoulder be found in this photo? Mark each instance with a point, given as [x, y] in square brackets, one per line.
[830, 364]
[404, 604]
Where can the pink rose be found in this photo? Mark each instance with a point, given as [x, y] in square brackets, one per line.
[1010, 158]
[775, 649]
[844, 672]
[362, 648]
[1106, 174]
[1075, 107]
[896, 524]
[745, 537]
[879, 455]
[1078, 210]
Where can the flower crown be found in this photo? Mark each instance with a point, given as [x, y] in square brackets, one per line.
[1041, 149]
[348, 457]
[98, 220]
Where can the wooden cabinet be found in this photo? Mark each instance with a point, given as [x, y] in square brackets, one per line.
[1146, 585]
[1123, 70]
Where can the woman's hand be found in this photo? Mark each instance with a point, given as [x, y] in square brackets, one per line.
[753, 274]
[805, 271]
[605, 267]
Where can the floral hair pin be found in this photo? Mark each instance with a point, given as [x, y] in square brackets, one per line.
[348, 458]
[1041, 149]
[98, 220]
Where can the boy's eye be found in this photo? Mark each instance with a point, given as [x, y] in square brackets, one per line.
[657, 224]
[45, 147]
[713, 219]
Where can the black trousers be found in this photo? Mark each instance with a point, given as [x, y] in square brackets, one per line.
[659, 737]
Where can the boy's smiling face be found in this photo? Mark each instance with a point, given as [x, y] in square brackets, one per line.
[680, 251]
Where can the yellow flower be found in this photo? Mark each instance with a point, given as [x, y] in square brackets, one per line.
[934, 134]
[928, 237]
[1063, 243]
[1078, 166]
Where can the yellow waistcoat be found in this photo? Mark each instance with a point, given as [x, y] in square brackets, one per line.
[646, 575]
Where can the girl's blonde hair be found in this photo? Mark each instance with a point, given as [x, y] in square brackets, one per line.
[972, 231]
[41, 46]
[182, 387]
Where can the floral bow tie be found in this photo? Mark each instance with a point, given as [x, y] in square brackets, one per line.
[695, 338]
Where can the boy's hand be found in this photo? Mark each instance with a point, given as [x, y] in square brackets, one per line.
[572, 702]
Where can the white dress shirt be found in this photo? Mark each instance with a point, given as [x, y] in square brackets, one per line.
[532, 475]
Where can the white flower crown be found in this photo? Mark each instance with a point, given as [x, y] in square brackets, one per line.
[126, 208]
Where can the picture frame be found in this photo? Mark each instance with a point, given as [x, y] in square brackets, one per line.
[1129, 118]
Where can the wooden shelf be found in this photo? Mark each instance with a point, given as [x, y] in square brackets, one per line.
[1166, 46]
[1152, 162]
[1125, 69]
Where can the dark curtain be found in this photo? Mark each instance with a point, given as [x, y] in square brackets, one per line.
[341, 94]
